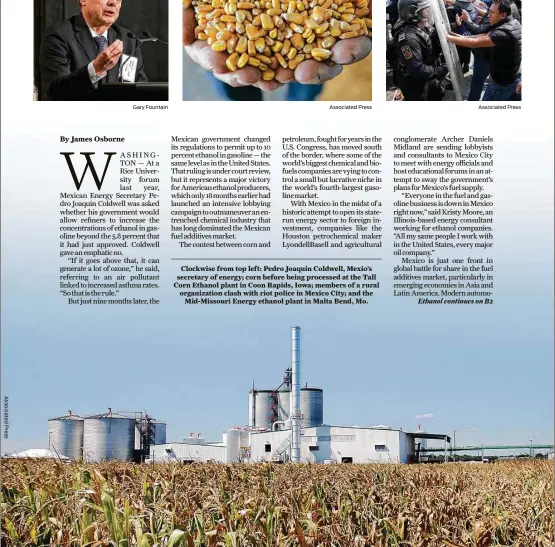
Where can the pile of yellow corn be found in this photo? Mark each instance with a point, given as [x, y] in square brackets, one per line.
[268, 34]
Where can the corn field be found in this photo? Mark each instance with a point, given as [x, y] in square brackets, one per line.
[171, 505]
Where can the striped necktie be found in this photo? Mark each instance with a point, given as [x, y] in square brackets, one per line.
[101, 43]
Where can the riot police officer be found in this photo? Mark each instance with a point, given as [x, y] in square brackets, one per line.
[417, 66]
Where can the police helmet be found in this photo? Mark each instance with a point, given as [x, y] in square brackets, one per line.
[409, 10]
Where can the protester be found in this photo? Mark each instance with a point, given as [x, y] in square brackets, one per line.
[84, 51]
[504, 38]
[481, 55]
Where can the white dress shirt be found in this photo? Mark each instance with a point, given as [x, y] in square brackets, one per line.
[95, 78]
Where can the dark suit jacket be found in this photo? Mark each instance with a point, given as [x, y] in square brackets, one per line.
[66, 51]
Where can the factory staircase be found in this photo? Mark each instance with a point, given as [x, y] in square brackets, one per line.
[283, 451]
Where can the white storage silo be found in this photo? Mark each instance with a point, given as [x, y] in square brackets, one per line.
[233, 446]
[65, 436]
[109, 436]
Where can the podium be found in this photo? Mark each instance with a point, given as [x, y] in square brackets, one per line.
[138, 91]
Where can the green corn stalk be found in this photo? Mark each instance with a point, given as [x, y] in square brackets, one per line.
[10, 527]
[127, 521]
[177, 538]
[114, 526]
[231, 539]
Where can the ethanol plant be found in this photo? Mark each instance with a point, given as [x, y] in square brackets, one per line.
[285, 424]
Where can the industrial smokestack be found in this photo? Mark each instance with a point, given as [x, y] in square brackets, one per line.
[295, 394]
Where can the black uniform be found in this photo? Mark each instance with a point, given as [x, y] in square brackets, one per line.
[417, 68]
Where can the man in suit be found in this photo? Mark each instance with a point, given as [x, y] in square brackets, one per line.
[85, 51]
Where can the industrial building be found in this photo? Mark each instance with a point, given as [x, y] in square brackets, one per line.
[285, 424]
[319, 444]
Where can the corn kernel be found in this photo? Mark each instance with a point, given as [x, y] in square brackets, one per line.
[224, 35]
[318, 14]
[320, 54]
[348, 35]
[214, 14]
[231, 62]
[241, 45]
[231, 43]
[322, 28]
[268, 75]
[297, 40]
[267, 23]
[252, 32]
[259, 44]
[243, 60]
[296, 18]
[219, 45]
[264, 59]
[281, 60]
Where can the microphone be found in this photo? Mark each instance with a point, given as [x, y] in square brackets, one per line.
[153, 38]
[139, 42]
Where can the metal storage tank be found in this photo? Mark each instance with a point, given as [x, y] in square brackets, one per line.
[65, 436]
[160, 433]
[284, 406]
[312, 406]
[233, 445]
[260, 408]
[109, 436]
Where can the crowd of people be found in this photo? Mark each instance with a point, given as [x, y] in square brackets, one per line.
[488, 39]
